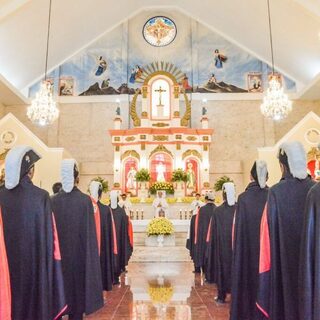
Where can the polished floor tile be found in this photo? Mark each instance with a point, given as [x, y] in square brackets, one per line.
[162, 291]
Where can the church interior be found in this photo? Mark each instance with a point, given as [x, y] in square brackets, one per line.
[164, 104]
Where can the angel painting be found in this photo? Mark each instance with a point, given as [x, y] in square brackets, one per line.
[102, 66]
[219, 59]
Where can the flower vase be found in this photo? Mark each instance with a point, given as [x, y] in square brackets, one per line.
[160, 240]
[143, 191]
[179, 191]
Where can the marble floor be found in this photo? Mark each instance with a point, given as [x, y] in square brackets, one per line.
[162, 290]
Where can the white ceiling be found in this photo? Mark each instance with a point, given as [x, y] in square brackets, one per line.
[296, 28]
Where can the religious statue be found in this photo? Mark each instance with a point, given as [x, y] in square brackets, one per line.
[102, 66]
[160, 90]
[191, 182]
[131, 179]
[160, 169]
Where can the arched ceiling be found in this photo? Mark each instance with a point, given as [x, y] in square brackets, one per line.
[296, 28]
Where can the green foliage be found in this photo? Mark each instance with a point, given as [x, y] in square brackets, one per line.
[143, 175]
[166, 186]
[105, 185]
[179, 175]
[219, 183]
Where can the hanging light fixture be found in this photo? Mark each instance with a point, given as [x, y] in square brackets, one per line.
[276, 104]
[43, 110]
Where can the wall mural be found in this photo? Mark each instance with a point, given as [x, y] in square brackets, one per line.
[116, 62]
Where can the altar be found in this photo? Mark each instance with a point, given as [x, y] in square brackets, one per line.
[161, 141]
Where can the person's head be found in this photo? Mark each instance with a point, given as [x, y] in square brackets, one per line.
[124, 196]
[190, 165]
[19, 163]
[229, 193]
[114, 199]
[69, 174]
[56, 187]
[198, 196]
[95, 189]
[160, 194]
[293, 160]
[209, 197]
[259, 173]
[216, 51]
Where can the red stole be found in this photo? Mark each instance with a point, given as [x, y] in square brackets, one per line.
[5, 289]
[114, 231]
[96, 212]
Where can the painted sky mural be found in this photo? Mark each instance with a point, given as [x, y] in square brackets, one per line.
[115, 62]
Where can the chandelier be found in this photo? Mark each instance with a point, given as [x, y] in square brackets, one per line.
[276, 104]
[43, 110]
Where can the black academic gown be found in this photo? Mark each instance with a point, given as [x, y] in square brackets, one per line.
[120, 259]
[309, 273]
[199, 235]
[106, 250]
[79, 250]
[190, 240]
[246, 249]
[280, 238]
[222, 234]
[33, 253]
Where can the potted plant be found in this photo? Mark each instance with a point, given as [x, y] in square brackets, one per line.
[179, 177]
[143, 177]
[160, 232]
[220, 182]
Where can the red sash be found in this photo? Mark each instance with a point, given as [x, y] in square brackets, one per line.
[115, 246]
[130, 232]
[96, 212]
[5, 289]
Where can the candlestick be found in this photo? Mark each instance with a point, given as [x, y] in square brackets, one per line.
[185, 214]
[137, 214]
[180, 214]
[141, 214]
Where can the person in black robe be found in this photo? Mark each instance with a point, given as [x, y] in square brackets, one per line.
[106, 236]
[56, 187]
[31, 242]
[222, 222]
[198, 233]
[79, 247]
[309, 284]
[122, 243]
[246, 245]
[280, 236]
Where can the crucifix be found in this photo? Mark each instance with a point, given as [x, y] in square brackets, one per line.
[160, 90]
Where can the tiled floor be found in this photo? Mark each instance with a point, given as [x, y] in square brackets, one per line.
[162, 291]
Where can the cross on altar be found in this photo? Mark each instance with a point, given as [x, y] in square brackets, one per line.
[160, 90]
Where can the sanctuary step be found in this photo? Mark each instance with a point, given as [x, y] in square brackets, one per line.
[160, 254]
[139, 238]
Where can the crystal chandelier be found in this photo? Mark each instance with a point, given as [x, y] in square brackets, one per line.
[276, 104]
[43, 110]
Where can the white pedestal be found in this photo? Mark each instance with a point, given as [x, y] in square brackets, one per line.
[179, 191]
[143, 194]
[168, 241]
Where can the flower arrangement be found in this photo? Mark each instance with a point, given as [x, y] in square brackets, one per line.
[219, 183]
[160, 226]
[179, 175]
[166, 186]
[143, 175]
[160, 294]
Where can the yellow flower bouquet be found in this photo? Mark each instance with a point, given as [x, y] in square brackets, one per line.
[160, 226]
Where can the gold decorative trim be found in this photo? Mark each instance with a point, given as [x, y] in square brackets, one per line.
[4, 154]
[190, 152]
[160, 124]
[160, 148]
[143, 146]
[205, 138]
[117, 148]
[130, 153]
[133, 110]
[116, 139]
[187, 116]
[205, 147]
[176, 114]
[176, 91]
[178, 146]
[191, 138]
[143, 137]
[144, 91]
[130, 138]
[178, 136]
[160, 138]
[206, 185]
[144, 114]
[160, 73]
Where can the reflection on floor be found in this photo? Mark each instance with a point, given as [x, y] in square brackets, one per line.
[162, 291]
